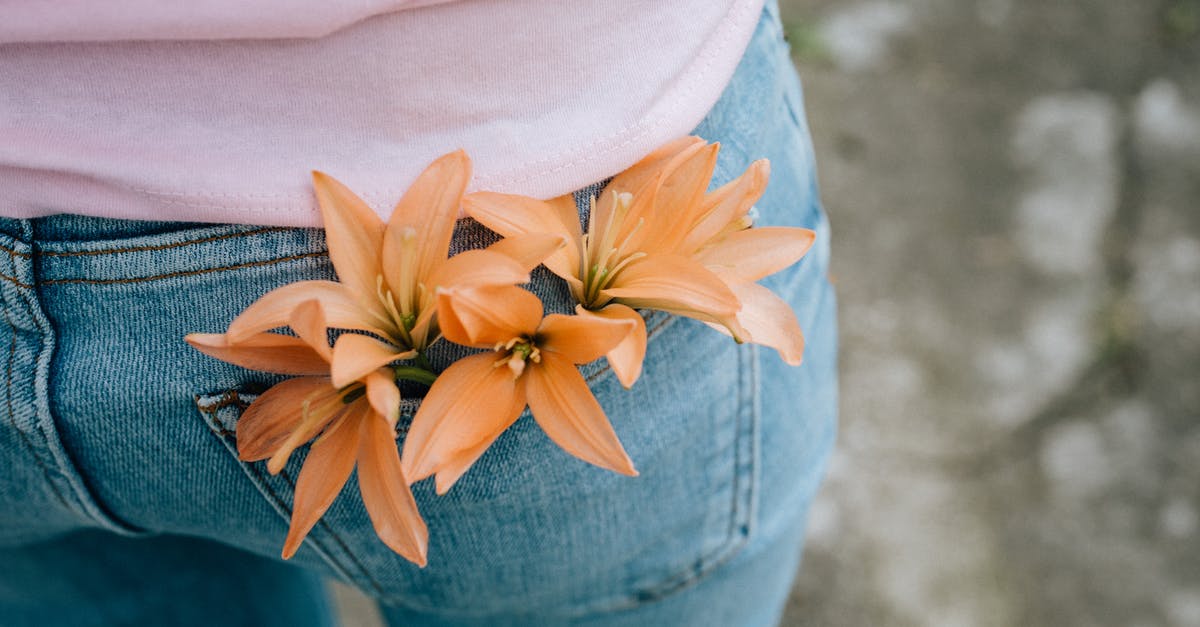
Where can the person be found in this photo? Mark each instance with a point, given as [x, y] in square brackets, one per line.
[123, 498]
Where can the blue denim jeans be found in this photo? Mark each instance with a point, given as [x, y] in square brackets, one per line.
[122, 500]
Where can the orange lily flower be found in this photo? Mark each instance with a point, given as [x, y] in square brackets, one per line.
[657, 239]
[532, 363]
[353, 425]
[715, 230]
[390, 273]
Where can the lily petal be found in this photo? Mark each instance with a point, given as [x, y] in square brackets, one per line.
[678, 197]
[770, 321]
[308, 321]
[385, 492]
[452, 470]
[726, 204]
[429, 207]
[274, 415]
[568, 214]
[565, 262]
[689, 174]
[567, 411]
[268, 352]
[674, 284]
[354, 356]
[474, 268]
[383, 395]
[309, 426]
[582, 339]
[274, 309]
[511, 215]
[466, 406]
[647, 168]
[325, 471]
[752, 254]
[484, 316]
[531, 249]
[354, 234]
[626, 358]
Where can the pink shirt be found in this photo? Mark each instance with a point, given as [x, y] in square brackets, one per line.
[217, 110]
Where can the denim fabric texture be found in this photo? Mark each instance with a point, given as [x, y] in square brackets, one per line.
[122, 500]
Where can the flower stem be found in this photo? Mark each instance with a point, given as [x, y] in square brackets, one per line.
[414, 373]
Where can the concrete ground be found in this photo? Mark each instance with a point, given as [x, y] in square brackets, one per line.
[1014, 187]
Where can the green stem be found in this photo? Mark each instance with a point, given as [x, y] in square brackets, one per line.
[413, 373]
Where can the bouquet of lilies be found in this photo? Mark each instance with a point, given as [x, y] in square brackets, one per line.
[655, 238]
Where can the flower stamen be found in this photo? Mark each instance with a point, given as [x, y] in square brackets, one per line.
[623, 201]
[400, 321]
[624, 262]
[518, 350]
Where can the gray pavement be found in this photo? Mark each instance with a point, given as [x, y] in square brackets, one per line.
[1014, 188]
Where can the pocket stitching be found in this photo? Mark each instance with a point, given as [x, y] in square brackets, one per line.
[184, 273]
[744, 496]
[743, 488]
[265, 487]
[158, 247]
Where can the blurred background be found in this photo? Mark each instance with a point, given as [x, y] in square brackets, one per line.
[1014, 187]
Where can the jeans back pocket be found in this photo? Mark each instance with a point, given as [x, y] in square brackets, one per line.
[532, 529]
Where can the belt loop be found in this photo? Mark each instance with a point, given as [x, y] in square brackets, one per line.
[17, 229]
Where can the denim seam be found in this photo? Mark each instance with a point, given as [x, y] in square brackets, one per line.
[754, 455]
[61, 472]
[338, 539]
[12, 419]
[16, 282]
[157, 247]
[263, 484]
[743, 487]
[186, 273]
[15, 253]
[741, 509]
